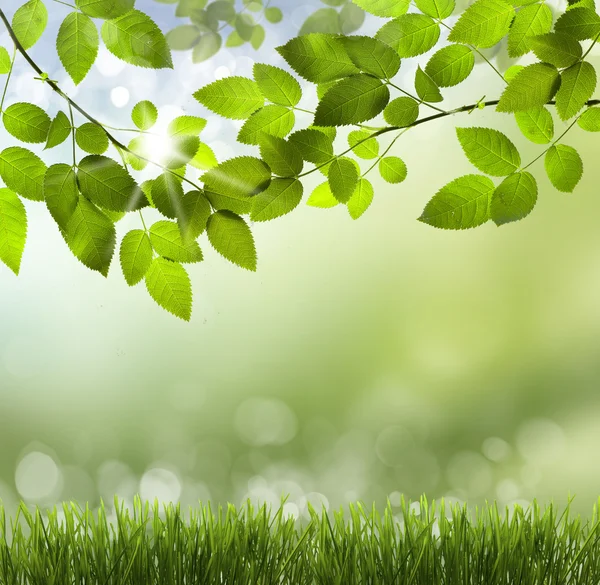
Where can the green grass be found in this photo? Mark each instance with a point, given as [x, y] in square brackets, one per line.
[151, 546]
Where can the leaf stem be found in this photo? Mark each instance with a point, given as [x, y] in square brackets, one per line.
[12, 63]
[414, 97]
[73, 136]
[385, 152]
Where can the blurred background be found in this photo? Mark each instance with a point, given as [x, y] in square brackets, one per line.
[363, 360]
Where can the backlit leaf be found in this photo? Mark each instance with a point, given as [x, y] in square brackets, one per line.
[135, 255]
[169, 285]
[514, 198]
[282, 196]
[483, 23]
[231, 237]
[564, 167]
[77, 45]
[13, 229]
[231, 97]
[489, 150]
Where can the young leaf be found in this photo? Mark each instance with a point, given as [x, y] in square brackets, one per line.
[5, 61]
[363, 145]
[282, 157]
[195, 213]
[489, 150]
[231, 97]
[322, 197]
[392, 169]
[581, 23]
[483, 24]
[136, 39]
[352, 100]
[563, 166]
[27, 122]
[204, 159]
[343, 178]
[167, 195]
[536, 124]
[59, 130]
[372, 56]
[169, 285]
[91, 236]
[182, 151]
[239, 177]
[534, 86]
[558, 49]
[361, 199]
[13, 229]
[514, 198]
[231, 237]
[144, 115]
[183, 37]
[272, 120]
[277, 85]
[450, 65]
[186, 125]
[29, 22]
[436, 8]
[282, 196]
[463, 203]
[313, 145]
[384, 7]
[401, 112]
[426, 88]
[167, 241]
[103, 9]
[318, 57]
[77, 45]
[578, 83]
[416, 34]
[208, 45]
[220, 201]
[590, 120]
[91, 138]
[535, 19]
[23, 172]
[61, 193]
[273, 14]
[135, 255]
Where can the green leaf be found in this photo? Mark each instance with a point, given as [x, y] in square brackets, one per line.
[352, 100]
[363, 145]
[590, 120]
[26, 122]
[324, 20]
[514, 198]
[77, 45]
[322, 197]
[208, 45]
[167, 195]
[372, 56]
[186, 125]
[231, 97]
[272, 120]
[318, 57]
[282, 157]
[351, 18]
[183, 37]
[450, 65]
[231, 237]
[23, 172]
[535, 19]
[512, 71]
[204, 158]
[581, 23]
[91, 236]
[107, 184]
[564, 167]
[343, 178]
[401, 112]
[61, 193]
[536, 124]
[558, 49]
[182, 150]
[135, 255]
[415, 34]
[392, 169]
[13, 229]
[462, 203]
[361, 199]
[105, 9]
[169, 285]
[578, 83]
[313, 145]
[29, 23]
[135, 39]
[220, 201]
[489, 150]
[273, 14]
[144, 115]
[282, 196]
[59, 130]
[384, 7]
[483, 24]
[5, 61]
[436, 8]
[167, 241]
[533, 86]
[239, 177]
[426, 88]
[277, 85]
[91, 138]
[195, 213]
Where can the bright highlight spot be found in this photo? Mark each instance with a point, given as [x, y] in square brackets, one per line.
[119, 96]
[265, 421]
[37, 476]
[540, 440]
[161, 484]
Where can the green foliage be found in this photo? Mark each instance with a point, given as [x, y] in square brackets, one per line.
[232, 97]
[61, 193]
[27, 122]
[105, 10]
[415, 34]
[580, 23]
[426, 88]
[13, 229]
[59, 131]
[23, 172]
[483, 24]
[450, 65]
[281, 197]
[558, 49]
[277, 85]
[343, 178]
[392, 169]
[135, 255]
[384, 7]
[535, 19]
[166, 240]
[322, 197]
[273, 120]
[402, 111]
[168, 283]
[29, 22]
[5, 61]
[489, 150]
[514, 198]
[361, 198]
[578, 83]
[590, 120]
[144, 115]
[77, 45]
[91, 138]
[372, 56]
[231, 237]
[534, 86]
[536, 124]
[563, 166]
